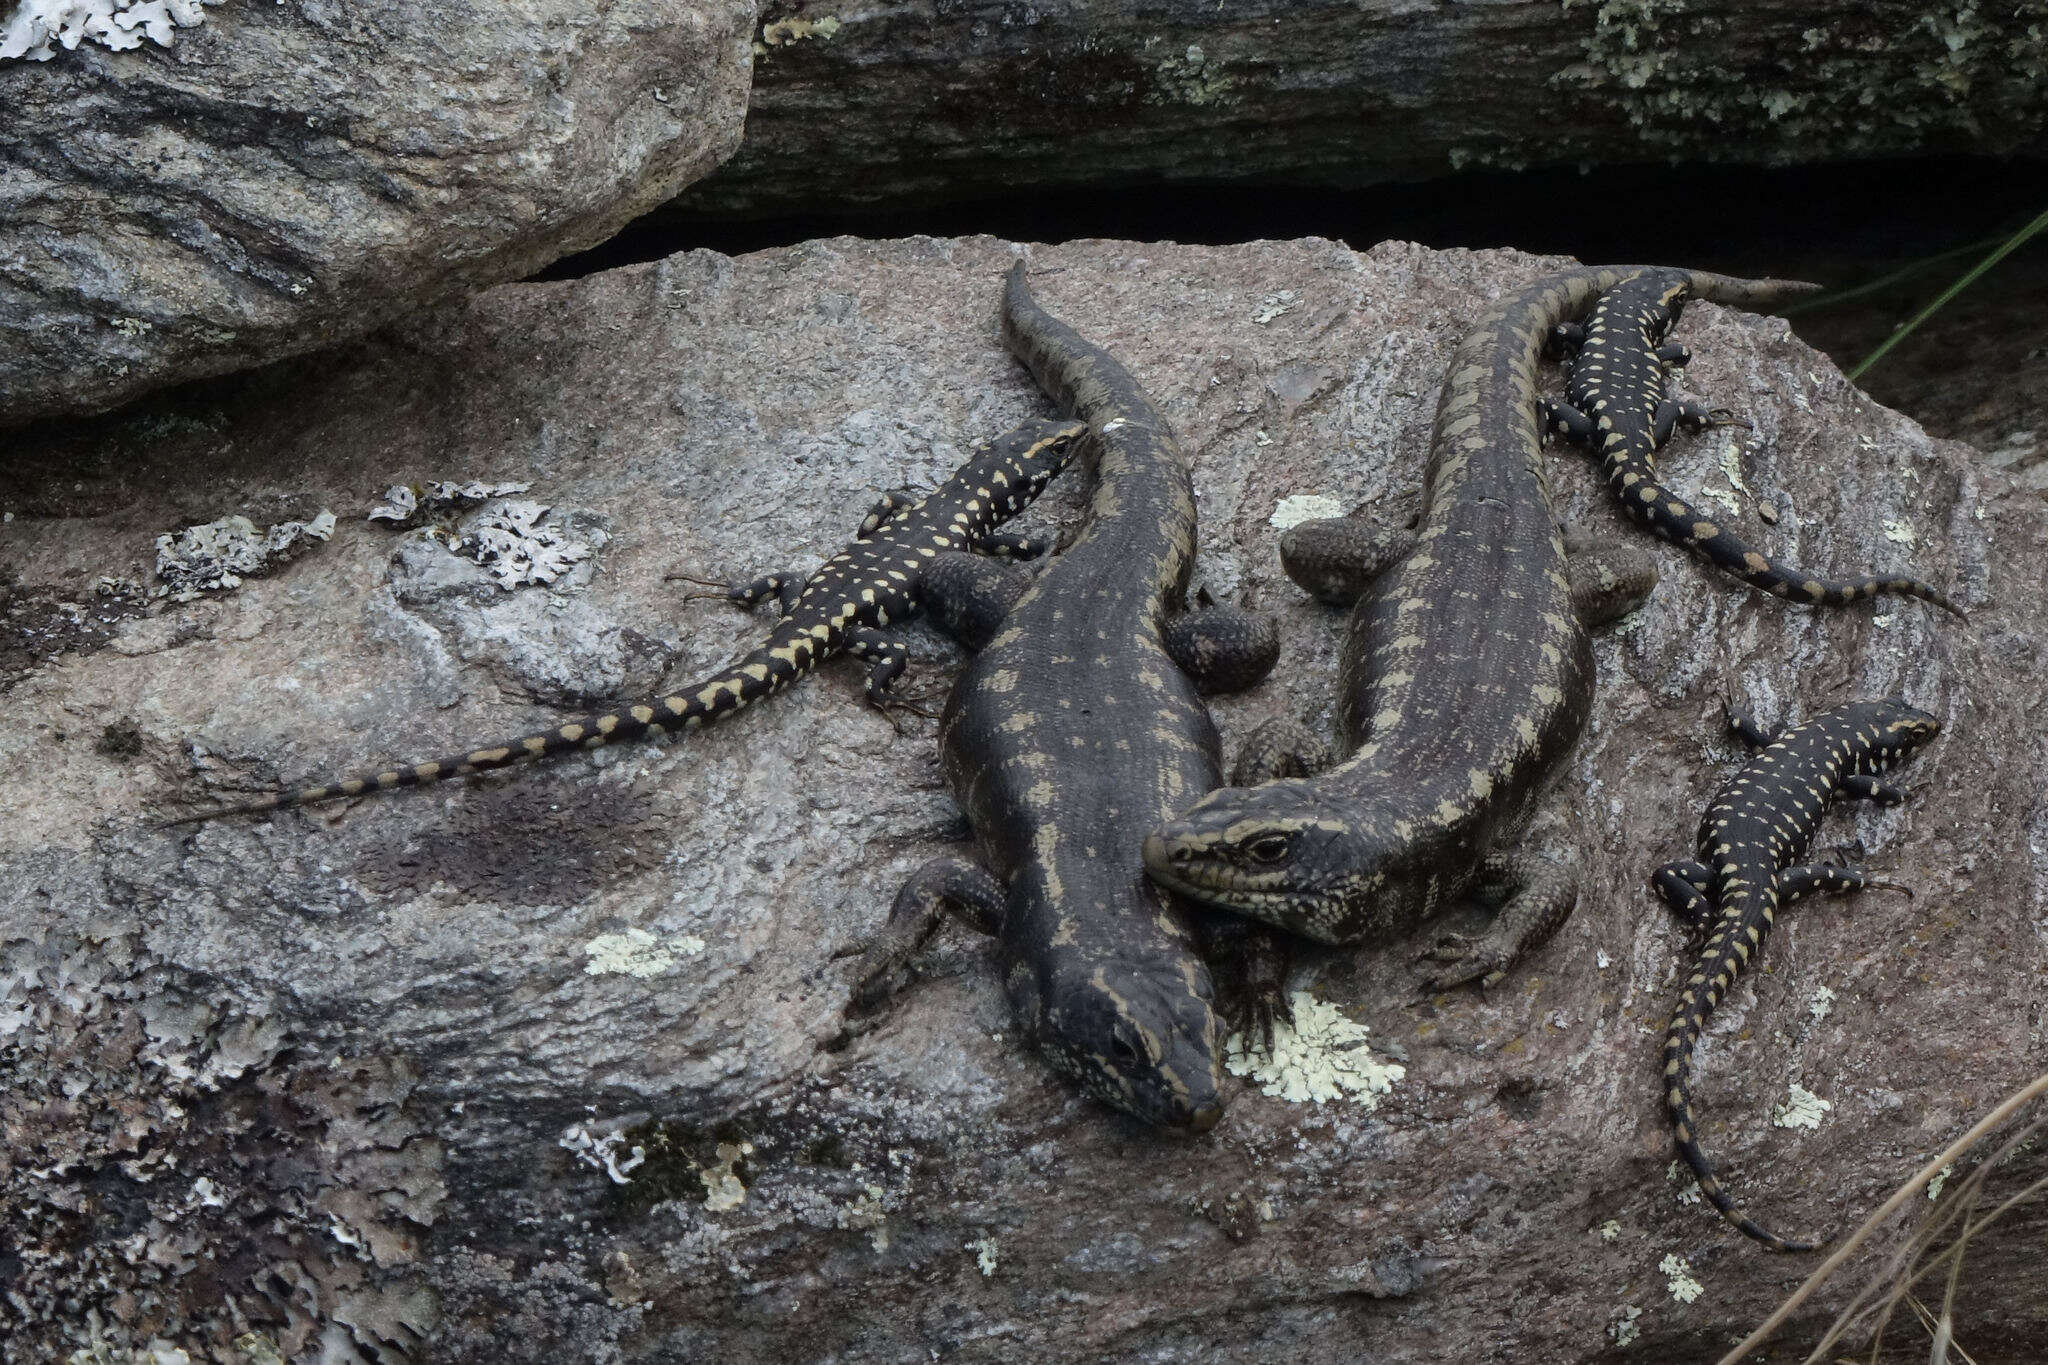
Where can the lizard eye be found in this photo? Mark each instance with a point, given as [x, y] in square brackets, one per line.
[1126, 1052]
[1269, 848]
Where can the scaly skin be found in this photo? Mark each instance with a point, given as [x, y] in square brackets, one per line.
[1620, 411]
[877, 581]
[1752, 838]
[1466, 678]
[1074, 732]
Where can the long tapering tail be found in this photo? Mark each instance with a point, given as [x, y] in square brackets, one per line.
[1719, 964]
[789, 653]
[1675, 519]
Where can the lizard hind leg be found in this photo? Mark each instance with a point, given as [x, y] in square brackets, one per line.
[1224, 649]
[1686, 887]
[1335, 559]
[1537, 895]
[968, 595]
[944, 886]
[1607, 581]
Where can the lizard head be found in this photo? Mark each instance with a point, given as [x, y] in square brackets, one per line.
[1905, 728]
[1023, 460]
[1277, 853]
[1140, 1039]
[1664, 307]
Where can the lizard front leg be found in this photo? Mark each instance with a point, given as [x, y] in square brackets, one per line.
[945, 885]
[1278, 748]
[1537, 898]
[886, 507]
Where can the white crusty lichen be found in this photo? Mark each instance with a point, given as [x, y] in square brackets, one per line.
[600, 1149]
[516, 542]
[1292, 511]
[1940, 1178]
[637, 953]
[1801, 1109]
[1623, 1327]
[1678, 1277]
[1822, 1002]
[1320, 1056]
[119, 24]
[217, 555]
[405, 503]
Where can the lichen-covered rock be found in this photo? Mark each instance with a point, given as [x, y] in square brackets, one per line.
[906, 103]
[283, 177]
[611, 990]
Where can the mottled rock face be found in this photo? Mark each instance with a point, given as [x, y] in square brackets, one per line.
[927, 101]
[287, 176]
[632, 962]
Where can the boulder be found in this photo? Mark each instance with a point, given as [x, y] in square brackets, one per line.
[282, 178]
[905, 104]
[556, 1064]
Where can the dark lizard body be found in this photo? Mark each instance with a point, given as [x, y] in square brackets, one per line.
[882, 579]
[1620, 410]
[1751, 839]
[1073, 733]
[1467, 675]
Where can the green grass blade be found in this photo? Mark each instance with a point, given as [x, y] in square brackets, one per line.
[2011, 244]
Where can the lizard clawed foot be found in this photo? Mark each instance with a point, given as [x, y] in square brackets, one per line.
[1468, 959]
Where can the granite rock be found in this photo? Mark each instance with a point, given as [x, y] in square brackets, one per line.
[589, 1089]
[283, 178]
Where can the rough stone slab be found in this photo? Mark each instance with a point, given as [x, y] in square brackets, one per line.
[904, 104]
[286, 177]
[930, 1188]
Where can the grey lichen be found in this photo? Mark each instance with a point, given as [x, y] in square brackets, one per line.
[182, 1176]
[217, 555]
[1860, 84]
[519, 542]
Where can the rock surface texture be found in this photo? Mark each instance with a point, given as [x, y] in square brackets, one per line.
[360, 1079]
[286, 177]
[906, 103]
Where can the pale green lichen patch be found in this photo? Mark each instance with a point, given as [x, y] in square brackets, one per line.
[796, 29]
[1678, 1278]
[1191, 78]
[1940, 1178]
[1801, 1109]
[1623, 1328]
[1961, 69]
[1320, 1056]
[1292, 511]
[637, 953]
[984, 1249]
[1274, 305]
[1899, 530]
[1823, 1001]
[1731, 466]
[722, 1187]
[1610, 1230]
